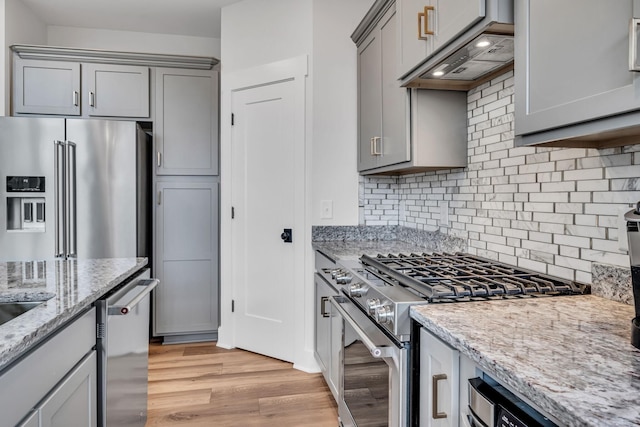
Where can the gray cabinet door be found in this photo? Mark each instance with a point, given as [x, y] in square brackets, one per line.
[382, 103]
[115, 90]
[326, 350]
[446, 19]
[394, 145]
[571, 62]
[186, 300]
[186, 125]
[369, 100]
[74, 401]
[46, 87]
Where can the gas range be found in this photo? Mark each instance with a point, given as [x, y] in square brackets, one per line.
[386, 286]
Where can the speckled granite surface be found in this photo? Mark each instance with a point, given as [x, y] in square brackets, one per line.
[68, 287]
[351, 242]
[612, 282]
[570, 356]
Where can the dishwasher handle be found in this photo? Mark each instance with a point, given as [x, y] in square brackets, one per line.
[121, 310]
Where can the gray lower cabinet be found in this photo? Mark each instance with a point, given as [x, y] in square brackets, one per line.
[327, 335]
[55, 384]
[572, 81]
[186, 257]
[186, 124]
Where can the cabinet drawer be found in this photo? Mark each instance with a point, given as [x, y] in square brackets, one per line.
[24, 384]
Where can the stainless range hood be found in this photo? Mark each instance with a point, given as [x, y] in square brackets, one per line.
[476, 55]
[483, 55]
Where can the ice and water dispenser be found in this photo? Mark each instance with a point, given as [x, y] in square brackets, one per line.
[25, 203]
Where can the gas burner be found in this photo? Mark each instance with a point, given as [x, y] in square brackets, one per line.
[463, 277]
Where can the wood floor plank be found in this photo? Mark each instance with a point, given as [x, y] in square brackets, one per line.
[201, 385]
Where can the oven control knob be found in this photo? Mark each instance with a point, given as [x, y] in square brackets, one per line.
[372, 304]
[343, 278]
[356, 290]
[384, 314]
[335, 272]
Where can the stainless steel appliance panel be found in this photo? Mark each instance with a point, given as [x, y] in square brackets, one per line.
[374, 387]
[104, 198]
[27, 149]
[123, 324]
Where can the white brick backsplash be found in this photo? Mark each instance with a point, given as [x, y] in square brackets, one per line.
[623, 172]
[547, 209]
[582, 174]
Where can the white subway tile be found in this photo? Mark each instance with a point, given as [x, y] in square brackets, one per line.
[584, 231]
[562, 272]
[568, 153]
[582, 174]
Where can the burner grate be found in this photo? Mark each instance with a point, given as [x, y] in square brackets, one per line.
[451, 277]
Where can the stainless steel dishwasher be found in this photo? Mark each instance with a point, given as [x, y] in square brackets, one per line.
[123, 353]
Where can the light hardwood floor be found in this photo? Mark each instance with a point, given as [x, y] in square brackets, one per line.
[203, 385]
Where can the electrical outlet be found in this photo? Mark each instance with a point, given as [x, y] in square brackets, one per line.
[623, 243]
[326, 209]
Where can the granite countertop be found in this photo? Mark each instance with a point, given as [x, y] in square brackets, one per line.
[570, 356]
[67, 286]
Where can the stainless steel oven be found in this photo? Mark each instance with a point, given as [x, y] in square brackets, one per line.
[373, 372]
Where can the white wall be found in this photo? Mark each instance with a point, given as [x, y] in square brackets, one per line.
[21, 26]
[130, 41]
[255, 32]
[335, 115]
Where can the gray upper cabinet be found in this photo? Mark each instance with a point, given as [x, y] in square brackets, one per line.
[186, 259]
[186, 125]
[427, 25]
[46, 87]
[402, 130]
[572, 76]
[382, 103]
[115, 90]
[72, 89]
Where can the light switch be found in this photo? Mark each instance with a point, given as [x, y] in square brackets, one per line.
[326, 207]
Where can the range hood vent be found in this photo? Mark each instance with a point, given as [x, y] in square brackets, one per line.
[483, 55]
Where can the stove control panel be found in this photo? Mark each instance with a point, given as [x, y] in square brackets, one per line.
[384, 314]
[372, 304]
[357, 290]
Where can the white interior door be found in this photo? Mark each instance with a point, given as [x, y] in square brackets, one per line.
[265, 195]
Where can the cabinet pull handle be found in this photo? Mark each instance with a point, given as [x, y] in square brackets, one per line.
[423, 23]
[92, 100]
[159, 198]
[377, 146]
[434, 403]
[159, 159]
[633, 44]
[323, 307]
[371, 147]
[75, 98]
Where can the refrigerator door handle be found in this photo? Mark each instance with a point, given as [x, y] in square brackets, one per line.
[60, 197]
[72, 226]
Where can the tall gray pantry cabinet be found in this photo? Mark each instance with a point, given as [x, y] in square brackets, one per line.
[187, 249]
[179, 96]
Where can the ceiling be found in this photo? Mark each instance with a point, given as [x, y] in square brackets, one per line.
[199, 18]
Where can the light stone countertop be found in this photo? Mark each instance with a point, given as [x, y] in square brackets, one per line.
[69, 287]
[570, 356]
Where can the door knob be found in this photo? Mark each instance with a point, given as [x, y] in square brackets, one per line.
[287, 235]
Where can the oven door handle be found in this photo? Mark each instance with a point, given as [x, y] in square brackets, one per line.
[376, 351]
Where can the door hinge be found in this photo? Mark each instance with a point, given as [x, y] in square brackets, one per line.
[233, 306]
[233, 119]
[233, 212]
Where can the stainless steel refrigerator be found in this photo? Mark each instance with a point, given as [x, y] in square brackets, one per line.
[73, 188]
